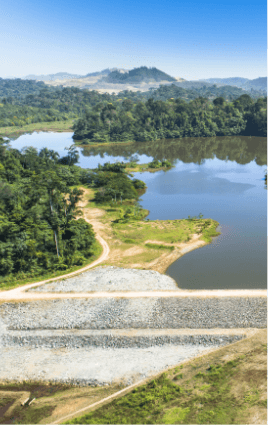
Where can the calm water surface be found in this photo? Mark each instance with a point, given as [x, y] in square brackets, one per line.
[222, 178]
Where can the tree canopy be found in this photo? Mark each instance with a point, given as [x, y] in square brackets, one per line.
[156, 119]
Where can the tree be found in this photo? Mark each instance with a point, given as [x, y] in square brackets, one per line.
[219, 101]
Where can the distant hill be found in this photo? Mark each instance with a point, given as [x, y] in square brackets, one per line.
[137, 76]
[52, 77]
[232, 81]
[244, 83]
[18, 88]
[192, 84]
[257, 84]
[96, 74]
[115, 80]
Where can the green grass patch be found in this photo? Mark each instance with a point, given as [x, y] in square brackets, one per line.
[129, 241]
[159, 246]
[207, 399]
[57, 126]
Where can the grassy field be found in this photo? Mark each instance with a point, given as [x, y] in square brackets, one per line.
[225, 386]
[149, 244]
[139, 243]
[57, 126]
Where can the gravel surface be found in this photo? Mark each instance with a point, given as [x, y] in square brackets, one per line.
[137, 313]
[90, 366]
[111, 341]
[111, 279]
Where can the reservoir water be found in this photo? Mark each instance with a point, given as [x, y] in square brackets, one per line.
[220, 177]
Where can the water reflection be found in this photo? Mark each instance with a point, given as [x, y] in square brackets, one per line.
[240, 149]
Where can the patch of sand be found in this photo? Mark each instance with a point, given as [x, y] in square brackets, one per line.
[133, 251]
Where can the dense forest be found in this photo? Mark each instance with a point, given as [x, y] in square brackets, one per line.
[46, 105]
[24, 102]
[39, 231]
[155, 120]
[18, 88]
[177, 90]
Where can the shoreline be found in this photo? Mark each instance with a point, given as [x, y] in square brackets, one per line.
[153, 255]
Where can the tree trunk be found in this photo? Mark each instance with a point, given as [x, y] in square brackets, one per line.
[56, 242]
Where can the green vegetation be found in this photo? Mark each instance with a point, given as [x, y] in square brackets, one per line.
[188, 91]
[221, 392]
[159, 164]
[159, 246]
[166, 231]
[155, 120]
[111, 183]
[40, 235]
[21, 88]
[45, 105]
[38, 209]
[57, 126]
[167, 112]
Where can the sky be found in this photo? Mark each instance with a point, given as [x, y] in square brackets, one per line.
[187, 39]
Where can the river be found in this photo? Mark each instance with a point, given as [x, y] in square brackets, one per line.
[220, 177]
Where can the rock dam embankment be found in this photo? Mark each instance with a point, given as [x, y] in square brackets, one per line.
[103, 339]
[136, 313]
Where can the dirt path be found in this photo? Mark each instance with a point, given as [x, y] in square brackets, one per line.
[217, 293]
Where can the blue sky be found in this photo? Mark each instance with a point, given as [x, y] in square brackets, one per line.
[189, 39]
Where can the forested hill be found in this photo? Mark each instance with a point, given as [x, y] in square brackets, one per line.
[18, 88]
[256, 84]
[24, 102]
[178, 90]
[138, 75]
[153, 120]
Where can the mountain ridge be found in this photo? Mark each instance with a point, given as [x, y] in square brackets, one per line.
[114, 80]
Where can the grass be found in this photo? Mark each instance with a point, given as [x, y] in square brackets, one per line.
[58, 126]
[159, 246]
[145, 167]
[215, 391]
[11, 282]
[170, 232]
[138, 241]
